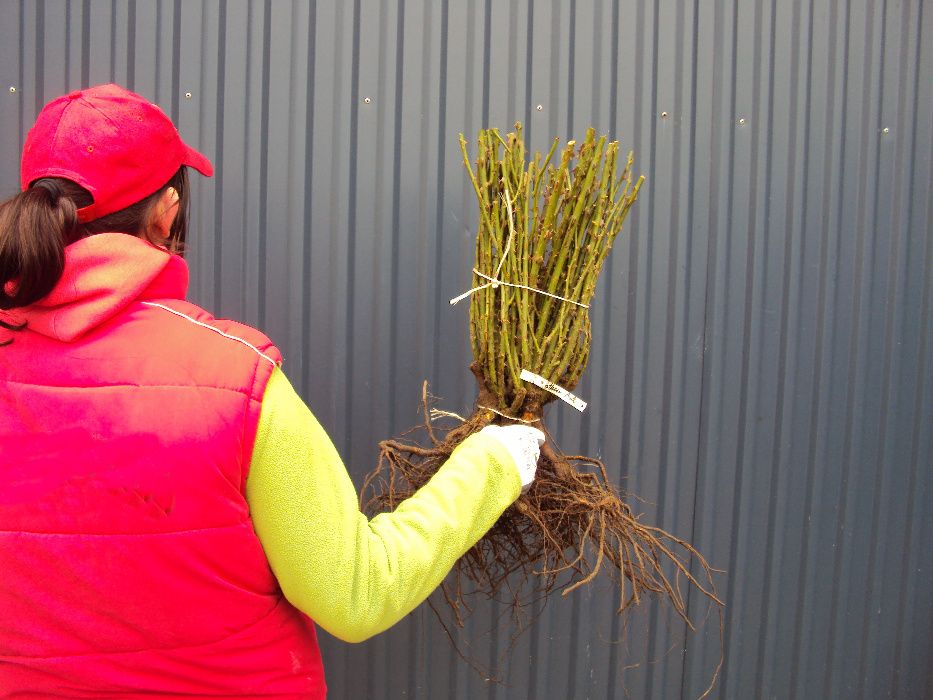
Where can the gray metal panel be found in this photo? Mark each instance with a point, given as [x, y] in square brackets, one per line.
[762, 369]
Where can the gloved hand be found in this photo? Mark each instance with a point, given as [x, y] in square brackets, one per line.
[524, 444]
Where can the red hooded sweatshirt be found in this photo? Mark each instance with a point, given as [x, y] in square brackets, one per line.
[128, 562]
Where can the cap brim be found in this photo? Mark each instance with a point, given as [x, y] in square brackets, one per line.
[198, 161]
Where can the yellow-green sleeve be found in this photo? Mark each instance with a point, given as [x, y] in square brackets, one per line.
[353, 576]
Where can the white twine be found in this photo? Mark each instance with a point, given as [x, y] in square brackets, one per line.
[438, 413]
[505, 415]
[508, 243]
[494, 281]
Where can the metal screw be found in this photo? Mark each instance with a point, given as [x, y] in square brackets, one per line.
[187, 95]
[741, 121]
[885, 130]
[540, 108]
[12, 89]
[367, 100]
[663, 115]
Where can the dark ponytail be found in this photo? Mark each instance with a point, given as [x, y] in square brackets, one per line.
[35, 227]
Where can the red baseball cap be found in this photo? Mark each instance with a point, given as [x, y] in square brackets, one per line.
[114, 143]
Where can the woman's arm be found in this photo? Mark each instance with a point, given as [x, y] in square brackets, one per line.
[353, 576]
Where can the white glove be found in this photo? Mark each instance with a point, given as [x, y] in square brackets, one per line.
[524, 444]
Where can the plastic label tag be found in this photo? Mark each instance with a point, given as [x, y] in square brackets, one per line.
[558, 391]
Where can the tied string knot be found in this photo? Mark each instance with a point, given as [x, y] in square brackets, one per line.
[495, 282]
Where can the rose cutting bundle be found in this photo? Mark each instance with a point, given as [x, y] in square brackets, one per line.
[545, 229]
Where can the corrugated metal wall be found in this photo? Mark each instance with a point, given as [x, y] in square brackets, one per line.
[763, 364]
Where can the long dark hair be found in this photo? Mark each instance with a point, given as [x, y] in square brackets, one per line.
[36, 225]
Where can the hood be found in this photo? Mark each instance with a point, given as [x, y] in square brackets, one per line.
[103, 274]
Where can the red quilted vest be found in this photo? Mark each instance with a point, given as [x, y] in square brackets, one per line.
[128, 561]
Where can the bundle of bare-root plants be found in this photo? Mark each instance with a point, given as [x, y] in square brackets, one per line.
[545, 230]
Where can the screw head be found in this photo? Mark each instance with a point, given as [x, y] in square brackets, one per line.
[367, 100]
[12, 89]
[885, 130]
[187, 95]
[741, 121]
[540, 108]
[663, 115]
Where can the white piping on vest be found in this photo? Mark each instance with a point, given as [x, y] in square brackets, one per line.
[212, 328]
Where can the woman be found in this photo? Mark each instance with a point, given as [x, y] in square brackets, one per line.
[172, 516]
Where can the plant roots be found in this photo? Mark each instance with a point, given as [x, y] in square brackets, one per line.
[569, 526]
